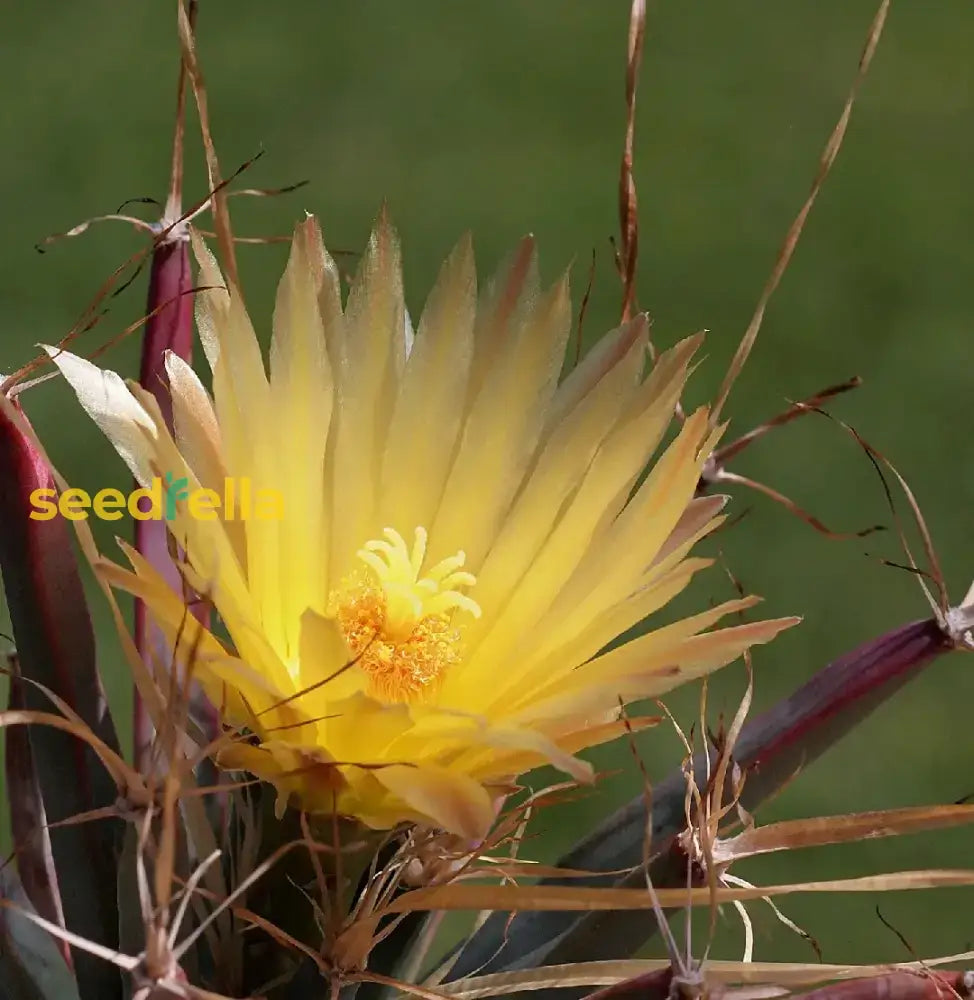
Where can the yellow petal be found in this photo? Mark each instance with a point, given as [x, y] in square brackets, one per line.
[368, 373]
[615, 561]
[510, 296]
[699, 656]
[543, 595]
[363, 730]
[564, 459]
[325, 668]
[502, 432]
[612, 567]
[654, 664]
[108, 402]
[195, 426]
[429, 409]
[198, 439]
[213, 554]
[697, 520]
[621, 617]
[309, 774]
[605, 355]
[301, 398]
[241, 396]
[231, 684]
[603, 732]
[452, 800]
[522, 750]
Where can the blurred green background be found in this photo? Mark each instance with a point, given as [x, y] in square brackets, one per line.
[507, 117]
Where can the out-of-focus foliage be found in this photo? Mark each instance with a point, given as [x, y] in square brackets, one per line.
[507, 117]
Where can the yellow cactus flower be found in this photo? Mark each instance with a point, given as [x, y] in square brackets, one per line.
[460, 536]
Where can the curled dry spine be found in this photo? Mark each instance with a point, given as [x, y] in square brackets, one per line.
[707, 811]
[685, 978]
[698, 848]
[626, 253]
[716, 472]
[427, 859]
[156, 973]
[707, 859]
[956, 622]
[154, 806]
[407, 859]
[170, 232]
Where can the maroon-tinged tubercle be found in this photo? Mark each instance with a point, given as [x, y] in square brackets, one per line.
[56, 648]
[28, 820]
[170, 310]
[802, 726]
[168, 328]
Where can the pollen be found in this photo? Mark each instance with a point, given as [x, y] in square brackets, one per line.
[400, 621]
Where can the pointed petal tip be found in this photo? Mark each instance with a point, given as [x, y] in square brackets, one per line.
[207, 262]
[174, 363]
[773, 627]
[527, 246]
[383, 220]
[198, 243]
[585, 773]
[461, 257]
[561, 289]
[637, 329]
[309, 222]
[627, 334]
[307, 233]
[384, 242]
[720, 501]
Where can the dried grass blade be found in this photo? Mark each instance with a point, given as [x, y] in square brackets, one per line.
[509, 898]
[826, 161]
[821, 830]
[221, 216]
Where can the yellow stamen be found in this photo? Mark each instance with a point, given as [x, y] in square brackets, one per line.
[400, 624]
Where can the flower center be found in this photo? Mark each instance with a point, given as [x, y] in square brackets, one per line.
[399, 622]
